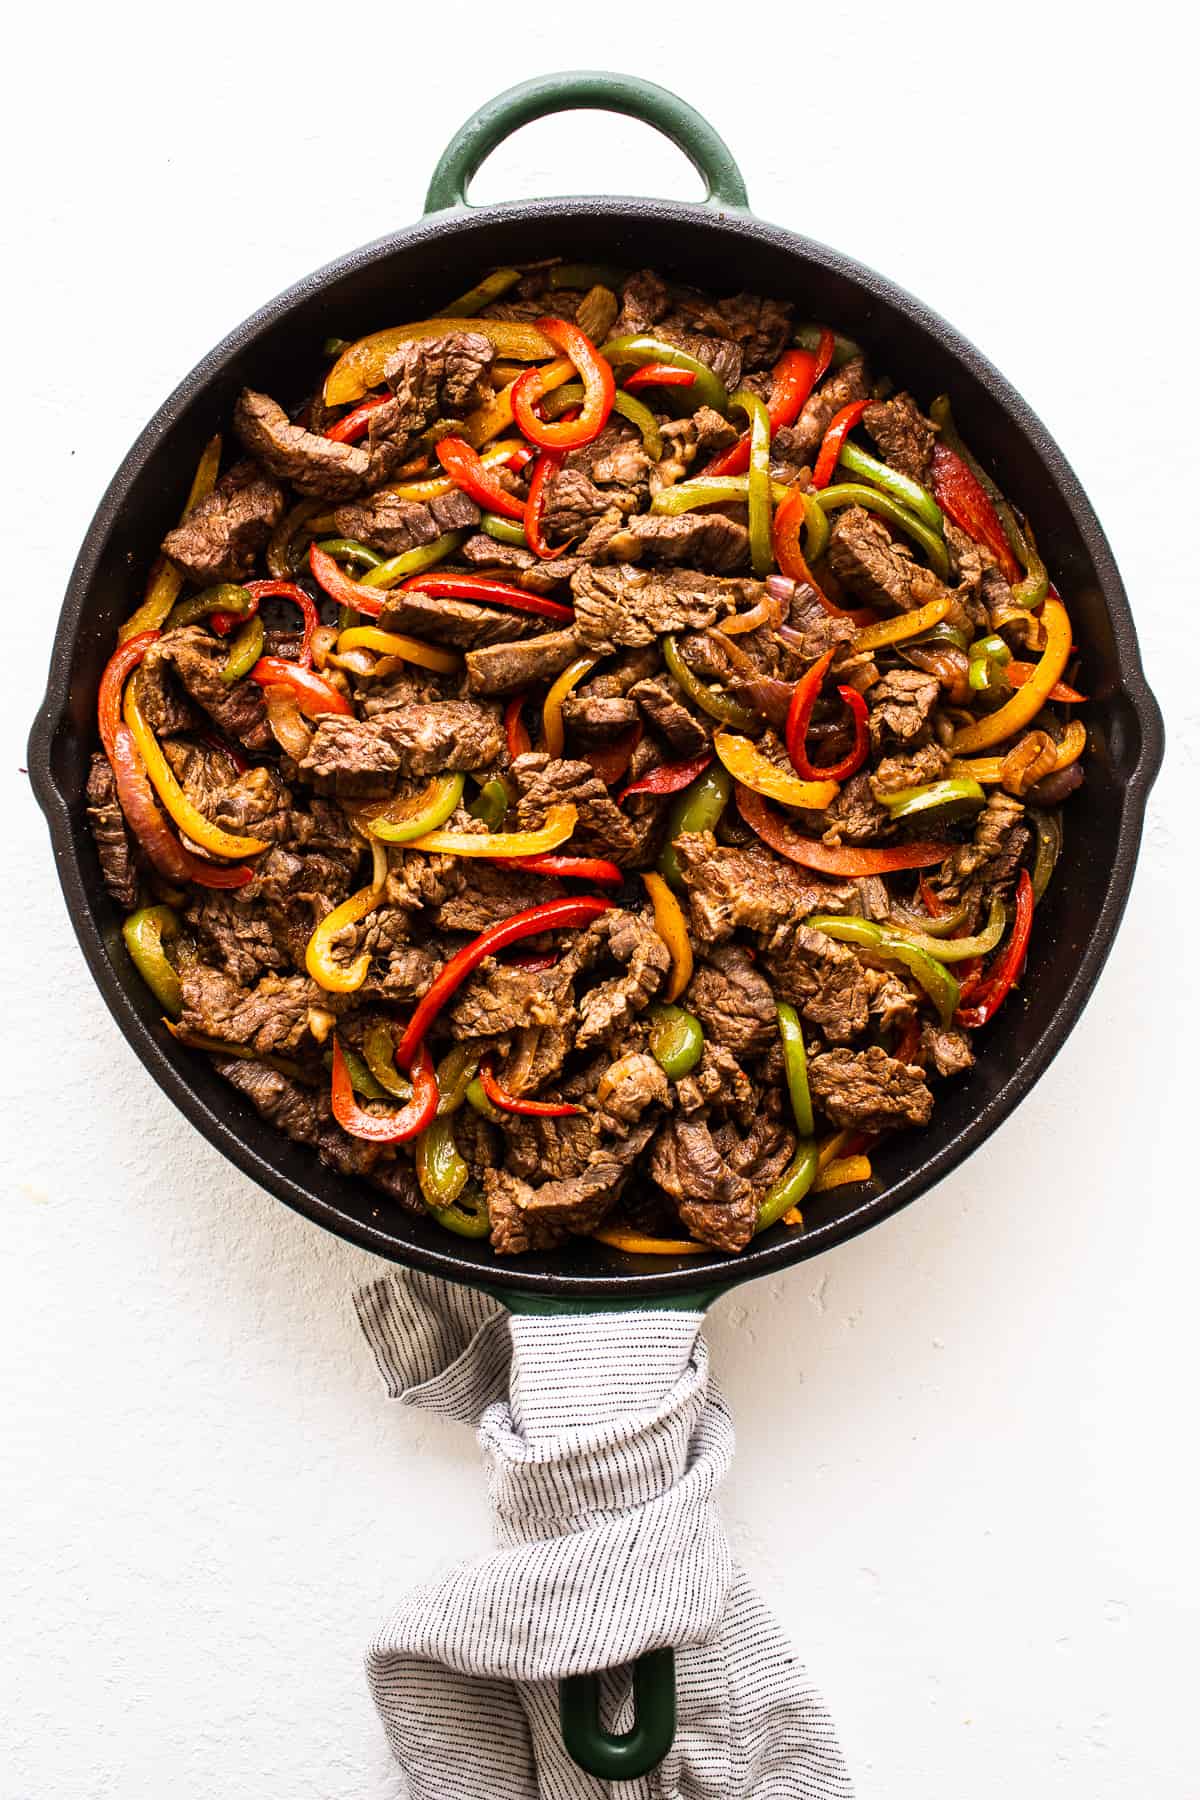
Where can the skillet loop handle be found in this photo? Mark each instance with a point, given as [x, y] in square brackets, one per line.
[641, 1748]
[593, 90]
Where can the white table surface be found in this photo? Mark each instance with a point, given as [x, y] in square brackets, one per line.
[967, 1468]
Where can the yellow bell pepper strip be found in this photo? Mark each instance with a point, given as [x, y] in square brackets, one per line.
[671, 927]
[841, 1171]
[190, 820]
[482, 294]
[361, 367]
[903, 626]
[496, 415]
[795, 1067]
[857, 493]
[560, 823]
[166, 583]
[758, 479]
[497, 457]
[563, 398]
[698, 808]
[676, 1040]
[245, 650]
[385, 1128]
[394, 643]
[636, 1243]
[379, 1054]
[1029, 699]
[338, 977]
[144, 933]
[941, 801]
[553, 733]
[441, 1168]
[909, 493]
[896, 946]
[711, 700]
[790, 1188]
[636, 351]
[405, 821]
[991, 768]
[747, 764]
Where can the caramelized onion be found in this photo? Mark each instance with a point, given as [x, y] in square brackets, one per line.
[286, 721]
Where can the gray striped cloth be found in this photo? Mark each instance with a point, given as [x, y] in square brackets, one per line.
[604, 1441]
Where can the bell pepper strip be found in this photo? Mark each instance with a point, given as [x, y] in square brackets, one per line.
[339, 977]
[962, 498]
[442, 1171]
[804, 697]
[515, 734]
[676, 1040]
[552, 406]
[958, 949]
[758, 480]
[833, 350]
[361, 1078]
[1028, 699]
[659, 375]
[361, 365]
[610, 761]
[455, 1073]
[1020, 672]
[340, 586]
[697, 808]
[799, 511]
[555, 915]
[166, 854]
[553, 731]
[120, 665]
[244, 652]
[379, 1054]
[847, 860]
[478, 1101]
[404, 821]
[643, 347]
[942, 801]
[223, 605]
[711, 700]
[516, 1103]
[500, 456]
[312, 695]
[1006, 970]
[144, 933]
[841, 1171]
[544, 469]
[903, 626]
[288, 590]
[857, 493]
[505, 531]
[896, 946]
[395, 643]
[747, 764]
[637, 1243]
[409, 563]
[385, 1128]
[466, 471]
[491, 803]
[484, 590]
[572, 868]
[707, 490]
[1031, 590]
[496, 415]
[795, 1067]
[468, 1217]
[1049, 832]
[790, 1188]
[839, 429]
[188, 817]
[671, 927]
[793, 379]
[491, 288]
[909, 493]
[354, 425]
[166, 581]
[281, 555]
[599, 389]
[560, 823]
[668, 778]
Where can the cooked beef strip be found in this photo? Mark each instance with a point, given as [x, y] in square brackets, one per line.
[197, 658]
[114, 844]
[355, 756]
[626, 605]
[716, 1203]
[821, 977]
[488, 894]
[801, 440]
[534, 573]
[457, 622]
[854, 816]
[390, 525]
[701, 434]
[432, 377]
[222, 535]
[761, 327]
[399, 970]
[946, 1048]
[730, 889]
[869, 1089]
[990, 862]
[720, 1082]
[572, 504]
[271, 1016]
[502, 997]
[593, 719]
[633, 1083]
[876, 567]
[282, 1102]
[721, 355]
[904, 435]
[661, 703]
[892, 1003]
[644, 301]
[900, 704]
[235, 937]
[508, 668]
[602, 828]
[733, 1001]
[701, 540]
[312, 464]
[630, 940]
[912, 769]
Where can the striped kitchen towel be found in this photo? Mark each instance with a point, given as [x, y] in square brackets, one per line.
[605, 1441]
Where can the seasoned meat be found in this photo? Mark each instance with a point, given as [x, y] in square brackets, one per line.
[718, 1204]
[701, 434]
[626, 605]
[629, 940]
[357, 756]
[821, 977]
[391, 525]
[904, 435]
[644, 301]
[197, 658]
[312, 464]
[730, 888]
[236, 937]
[837, 390]
[508, 668]
[761, 327]
[990, 862]
[733, 1001]
[891, 1002]
[900, 705]
[701, 540]
[114, 845]
[457, 622]
[489, 893]
[869, 1089]
[572, 503]
[854, 816]
[630, 1085]
[432, 377]
[272, 1016]
[502, 997]
[722, 355]
[593, 719]
[222, 535]
[282, 1102]
[914, 768]
[602, 828]
[876, 567]
[946, 1048]
[662, 706]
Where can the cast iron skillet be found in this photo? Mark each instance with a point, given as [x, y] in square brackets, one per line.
[716, 244]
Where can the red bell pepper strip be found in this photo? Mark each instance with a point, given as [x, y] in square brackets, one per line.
[785, 541]
[353, 425]
[610, 761]
[514, 1103]
[525, 453]
[658, 375]
[804, 697]
[599, 391]
[121, 664]
[555, 915]
[668, 778]
[531, 960]
[385, 1128]
[465, 468]
[547, 465]
[906, 1048]
[1006, 970]
[794, 377]
[140, 807]
[1018, 674]
[576, 868]
[225, 622]
[811, 853]
[286, 590]
[826, 345]
[485, 591]
[963, 498]
[312, 695]
[840, 427]
[515, 733]
[339, 586]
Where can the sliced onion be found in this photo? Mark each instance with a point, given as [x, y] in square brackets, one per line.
[286, 721]
[323, 640]
[769, 697]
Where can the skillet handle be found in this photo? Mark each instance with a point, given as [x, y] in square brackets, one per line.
[641, 1748]
[594, 90]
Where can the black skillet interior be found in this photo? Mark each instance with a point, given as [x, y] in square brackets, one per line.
[406, 277]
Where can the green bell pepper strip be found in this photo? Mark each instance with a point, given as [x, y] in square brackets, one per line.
[479, 1102]
[791, 1187]
[379, 1053]
[333, 346]
[947, 950]
[857, 493]
[350, 550]
[1036, 584]
[505, 531]
[472, 303]
[144, 932]
[698, 808]
[942, 633]
[844, 349]
[226, 597]
[795, 1066]
[446, 792]
[491, 803]
[441, 1169]
[561, 400]
[943, 926]
[946, 800]
[709, 699]
[909, 493]
[414, 562]
[707, 389]
[1048, 826]
[987, 663]
[361, 1079]
[712, 490]
[758, 479]
[676, 1040]
[455, 1073]
[586, 275]
[244, 651]
[937, 980]
[468, 1217]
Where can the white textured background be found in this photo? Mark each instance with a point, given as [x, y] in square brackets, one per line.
[967, 1469]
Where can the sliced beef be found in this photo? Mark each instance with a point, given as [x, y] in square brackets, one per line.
[875, 567]
[165, 705]
[488, 894]
[821, 977]
[946, 1049]
[631, 1085]
[355, 756]
[457, 622]
[256, 804]
[404, 685]
[197, 658]
[222, 535]
[602, 828]
[536, 1055]
[272, 1016]
[989, 863]
[399, 971]
[900, 704]
[732, 1001]
[719, 1082]
[114, 844]
[854, 816]
[720, 354]
[662, 706]
[392, 526]
[312, 464]
[535, 573]
[507, 668]
[432, 377]
[848, 383]
[892, 1003]
[626, 605]
[572, 505]
[761, 327]
[700, 435]
[631, 941]
[644, 301]
[236, 937]
[868, 1089]
[282, 1102]
[594, 719]
[503, 997]
[514, 1231]
[914, 768]
[904, 435]
[617, 462]
[701, 540]
[717, 1203]
[730, 888]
